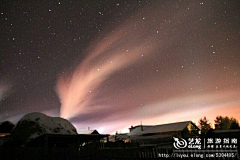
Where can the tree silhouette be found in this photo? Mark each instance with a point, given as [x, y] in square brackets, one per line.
[204, 125]
[223, 123]
[235, 125]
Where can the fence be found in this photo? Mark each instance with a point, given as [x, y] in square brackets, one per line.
[132, 153]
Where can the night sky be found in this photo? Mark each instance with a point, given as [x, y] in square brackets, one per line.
[108, 65]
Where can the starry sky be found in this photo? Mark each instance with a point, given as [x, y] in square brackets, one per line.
[108, 65]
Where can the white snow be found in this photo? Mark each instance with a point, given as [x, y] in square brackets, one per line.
[47, 125]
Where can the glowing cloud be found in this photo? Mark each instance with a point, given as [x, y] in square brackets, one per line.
[4, 88]
[121, 48]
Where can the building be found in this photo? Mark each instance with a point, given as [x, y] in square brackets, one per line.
[119, 137]
[161, 135]
[153, 141]
[179, 129]
[5, 128]
[88, 132]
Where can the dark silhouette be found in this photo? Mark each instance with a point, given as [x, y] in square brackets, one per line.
[204, 125]
[224, 123]
[235, 125]
[6, 127]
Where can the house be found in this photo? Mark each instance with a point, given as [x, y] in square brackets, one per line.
[153, 141]
[119, 137]
[179, 129]
[161, 135]
[88, 132]
[5, 128]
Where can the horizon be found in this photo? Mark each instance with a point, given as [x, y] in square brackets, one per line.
[126, 129]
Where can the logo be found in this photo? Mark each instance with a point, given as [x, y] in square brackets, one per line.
[179, 143]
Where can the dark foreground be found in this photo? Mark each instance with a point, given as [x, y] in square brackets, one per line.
[35, 153]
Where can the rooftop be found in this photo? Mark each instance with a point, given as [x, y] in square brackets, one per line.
[178, 126]
[88, 132]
